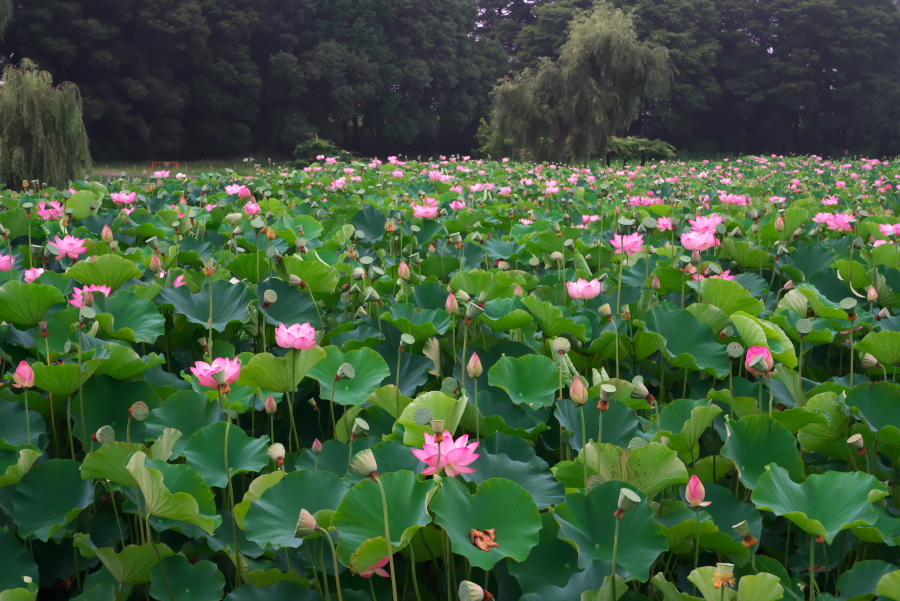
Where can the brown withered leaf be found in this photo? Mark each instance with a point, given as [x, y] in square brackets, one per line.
[484, 539]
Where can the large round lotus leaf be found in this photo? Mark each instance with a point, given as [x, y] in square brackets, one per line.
[27, 304]
[441, 406]
[650, 468]
[293, 306]
[62, 379]
[818, 435]
[259, 485]
[498, 505]
[554, 320]
[825, 504]
[370, 369]
[131, 565]
[186, 410]
[106, 403]
[532, 380]
[680, 527]
[229, 303]
[17, 562]
[619, 423]
[588, 579]
[877, 404]
[280, 374]
[12, 420]
[360, 515]
[510, 457]
[50, 497]
[15, 461]
[551, 562]
[883, 345]
[334, 458]
[859, 582]
[205, 452]
[588, 521]
[889, 586]
[201, 581]
[124, 316]
[318, 277]
[684, 421]
[503, 314]
[686, 341]
[106, 270]
[272, 519]
[285, 590]
[109, 463]
[757, 441]
[181, 478]
[729, 296]
[726, 511]
[413, 368]
[418, 323]
[123, 362]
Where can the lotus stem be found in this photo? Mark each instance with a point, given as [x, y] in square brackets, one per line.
[387, 535]
[618, 312]
[27, 419]
[337, 574]
[697, 543]
[812, 568]
[159, 557]
[237, 544]
[412, 560]
[584, 445]
[615, 557]
[478, 414]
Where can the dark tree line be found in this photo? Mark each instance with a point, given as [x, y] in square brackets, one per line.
[226, 78]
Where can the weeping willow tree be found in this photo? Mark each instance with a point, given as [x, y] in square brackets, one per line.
[567, 109]
[42, 134]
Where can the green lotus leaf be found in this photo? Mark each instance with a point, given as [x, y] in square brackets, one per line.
[187, 410]
[80, 203]
[27, 304]
[726, 511]
[554, 320]
[259, 485]
[825, 504]
[105, 270]
[123, 362]
[132, 565]
[272, 518]
[318, 277]
[860, 582]
[757, 441]
[510, 457]
[124, 316]
[686, 341]
[620, 422]
[17, 562]
[205, 452]
[877, 405]
[250, 266]
[15, 461]
[369, 553]
[669, 591]
[478, 281]
[279, 591]
[503, 314]
[684, 421]
[63, 379]
[110, 461]
[889, 586]
[280, 374]
[49, 498]
[360, 515]
[729, 296]
[775, 339]
[681, 529]
[442, 407]
[201, 581]
[650, 468]
[817, 435]
[292, 306]
[180, 478]
[418, 323]
[160, 502]
[883, 345]
[370, 369]
[106, 403]
[498, 504]
[532, 380]
[13, 416]
[588, 520]
[229, 303]
[551, 562]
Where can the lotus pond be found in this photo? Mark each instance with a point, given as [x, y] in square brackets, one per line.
[454, 379]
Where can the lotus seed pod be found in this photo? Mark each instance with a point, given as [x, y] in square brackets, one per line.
[359, 273]
[534, 261]
[437, 426]
[856, 441]
[868, 361]
[364, 464]
[360, 426]
[473, 310]
[605, 310]
[607, 391]
[556, 256]
[105, 434]
[407, 339]
[469, 591]
[640, 389]
[295, 280]
[462, 296]
[804, 326]
[561, 345]
[423, 416]
[848, 304]
[742, 529]
[306, 525]
[276, 453]
[270, 296]
[139, 411]
[346, 372]
[735, 350]
[449, 386]
[628, 499]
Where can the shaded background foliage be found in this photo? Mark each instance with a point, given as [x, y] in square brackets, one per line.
[223, 78]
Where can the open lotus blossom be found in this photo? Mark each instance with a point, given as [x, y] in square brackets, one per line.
[628, 244]
[584, 289]
[457, 205]
[70, 246]
[699, 241]
[704, 225]
[441, 452]
[84, 296]
[664, 224]
[32, 274]
[377, 568]
[695, 494]
[252, 208]
[230, 370]
[296, 336]
[123, 198]
[7, 262]
[759, 360]
[725, 275]
[424, 211]
[24, 375]
[161, 174]
[50, 211]
[179, 281]
[233, 188]
[841, 222]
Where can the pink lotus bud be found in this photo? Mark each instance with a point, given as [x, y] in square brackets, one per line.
[271, 405]
[871, 294]
[317, 446]
[24, 375]
[759, 360]
[306, 525]
[452, 305]
[779, 224]
[155, 264]
[403, 270]
[106, 234]
[695, 493]
[244, 193]
[655, 284]
[869, 362]
[578, 392]
[518, 291]
[474, 367]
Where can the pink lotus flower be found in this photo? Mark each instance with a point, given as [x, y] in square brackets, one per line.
[524, 221]
[162, 174]
[7, 262]
[179, 281]
[377, 568]
[699, 241]
[628, 244]
[702, 224]
[123, 198]
[251, 208]
[733, 199]
[206, 372]
[447, 454]
[664, 224]
[32, 274]
[841, 222]
[70, 246]
[424, 212]
[50, 211]
[296, 336]
[244, 193]
[586, 219]
[584, 289]
[85, 296]
[233, 188]
[458, 205]
[695, 493]
[210, 206]
[725, 275]
[24, 376]
[759, 360]
[830, 200]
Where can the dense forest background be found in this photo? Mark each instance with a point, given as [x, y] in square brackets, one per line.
[178, 79]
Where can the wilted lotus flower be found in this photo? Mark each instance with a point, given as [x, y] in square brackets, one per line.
[627, 500]
[695, 493]
[856, 441]
[724, 576]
